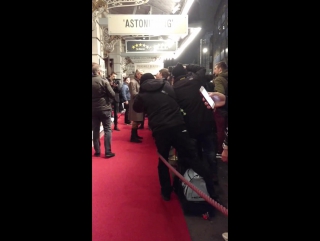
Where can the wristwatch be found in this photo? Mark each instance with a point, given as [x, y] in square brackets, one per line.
[224, 146]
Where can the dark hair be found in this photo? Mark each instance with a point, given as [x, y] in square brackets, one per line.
[179, 70]
[222, 65]
[164, 72]
[145, 77]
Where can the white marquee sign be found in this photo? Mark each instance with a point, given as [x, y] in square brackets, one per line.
[152, 68]
[127, 24]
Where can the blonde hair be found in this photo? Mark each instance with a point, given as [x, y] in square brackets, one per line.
[138, 71]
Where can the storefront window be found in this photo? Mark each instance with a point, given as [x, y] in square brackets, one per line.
[220, 35]
[223, 18]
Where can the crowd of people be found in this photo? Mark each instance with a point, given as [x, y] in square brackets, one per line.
[177, 116]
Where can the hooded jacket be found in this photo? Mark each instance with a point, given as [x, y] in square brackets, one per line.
[198, 118]
[221, 82]
[157, 99]
[221, 85]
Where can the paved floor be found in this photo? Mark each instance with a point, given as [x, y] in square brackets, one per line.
[204, 230]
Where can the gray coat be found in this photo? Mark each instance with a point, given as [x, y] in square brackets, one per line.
[102, 94]
[134, 88]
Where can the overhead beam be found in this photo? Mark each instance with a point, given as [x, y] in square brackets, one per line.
[135, 10]
[157, 8]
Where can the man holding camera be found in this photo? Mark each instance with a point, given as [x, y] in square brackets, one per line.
[116, 86]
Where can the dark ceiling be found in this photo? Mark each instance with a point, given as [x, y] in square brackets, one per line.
[201, 14]
[156, 7]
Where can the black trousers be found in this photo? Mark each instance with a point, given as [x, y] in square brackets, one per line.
[126, 114]
[115, 112]
[179, 138]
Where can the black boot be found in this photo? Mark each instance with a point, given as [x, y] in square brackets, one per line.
[139, 137]
[116, 128]
[134, 136]
[141, 125]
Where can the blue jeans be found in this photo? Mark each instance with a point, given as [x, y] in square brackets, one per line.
[105, 118]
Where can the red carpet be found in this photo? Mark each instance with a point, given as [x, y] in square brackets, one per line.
[126, 201]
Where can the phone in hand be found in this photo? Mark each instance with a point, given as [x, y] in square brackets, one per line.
[208, 99]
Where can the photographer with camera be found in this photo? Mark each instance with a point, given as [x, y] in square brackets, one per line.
[116, 86]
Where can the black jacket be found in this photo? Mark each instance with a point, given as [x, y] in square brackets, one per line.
[117, 85]
[198, 118]
[102, 94]
[157, 99]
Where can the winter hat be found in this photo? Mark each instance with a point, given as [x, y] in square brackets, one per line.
[146, 76]
[179, 70]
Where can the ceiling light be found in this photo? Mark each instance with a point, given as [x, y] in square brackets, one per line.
[194, 33]
[186, 7]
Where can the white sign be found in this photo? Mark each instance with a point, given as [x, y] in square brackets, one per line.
[143, 59]
[147, 24]
[152, 68]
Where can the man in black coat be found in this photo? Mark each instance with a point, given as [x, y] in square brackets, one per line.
[116, 86]
[199, 120]
[157, 98]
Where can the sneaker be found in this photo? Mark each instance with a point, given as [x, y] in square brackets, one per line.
[110, 154]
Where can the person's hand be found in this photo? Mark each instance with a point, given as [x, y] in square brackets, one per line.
[224, 155]
[218, 98]
[126, 102]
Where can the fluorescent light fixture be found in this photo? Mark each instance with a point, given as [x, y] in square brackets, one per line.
[169, 43]
[176, 8]
[194, 33]
[186, 7]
